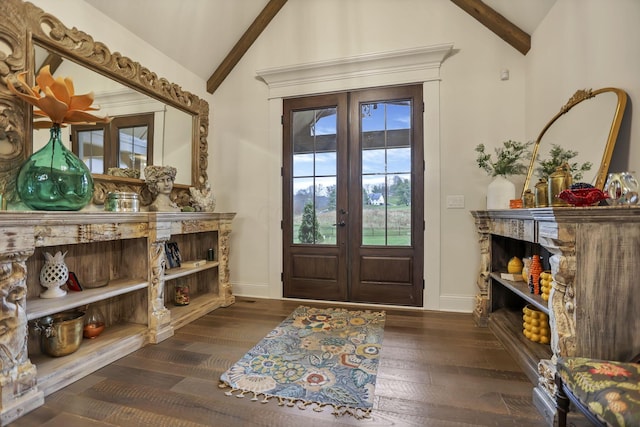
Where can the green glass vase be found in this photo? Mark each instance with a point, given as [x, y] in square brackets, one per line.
[55, 179]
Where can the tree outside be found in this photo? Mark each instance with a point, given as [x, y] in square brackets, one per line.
[309, 231]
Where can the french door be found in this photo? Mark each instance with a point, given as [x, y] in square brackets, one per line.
[353, 196]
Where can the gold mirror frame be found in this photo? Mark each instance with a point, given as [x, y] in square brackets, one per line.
[23, 23]
[580, 96]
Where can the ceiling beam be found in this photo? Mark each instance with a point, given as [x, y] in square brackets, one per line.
[243, 45]
[497, 23]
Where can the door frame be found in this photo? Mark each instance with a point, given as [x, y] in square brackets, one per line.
[419, 65]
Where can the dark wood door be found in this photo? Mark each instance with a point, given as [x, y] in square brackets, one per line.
[353, 196]
[315, 197]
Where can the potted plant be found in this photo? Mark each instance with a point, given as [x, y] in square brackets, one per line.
[559, 156]
[508, 161]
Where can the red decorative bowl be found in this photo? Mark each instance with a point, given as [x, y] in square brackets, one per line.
[582, 196]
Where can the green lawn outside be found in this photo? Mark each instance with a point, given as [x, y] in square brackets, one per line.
[398, 234]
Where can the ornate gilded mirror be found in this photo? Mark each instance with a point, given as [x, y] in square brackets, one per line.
[587, 124]
[26, 28]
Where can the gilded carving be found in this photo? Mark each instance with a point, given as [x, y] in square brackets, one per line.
[12, 133]
[481, 310]
[203, 151]
[546, 381]
[223, 269]
[13, 40]
[579, 96]
[516, 228]
[189, 226]
[98, 232]
[160, 315]
[18, 375]
[13, 288]
[562, 320]
[559, 239]
[562, 306]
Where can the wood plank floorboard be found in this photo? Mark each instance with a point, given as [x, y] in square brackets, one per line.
[436, 369]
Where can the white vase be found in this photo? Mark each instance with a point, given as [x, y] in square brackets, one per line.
[53, 275]
[499, 192]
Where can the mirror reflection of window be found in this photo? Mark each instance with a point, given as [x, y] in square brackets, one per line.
[91, 148]
[125, 142]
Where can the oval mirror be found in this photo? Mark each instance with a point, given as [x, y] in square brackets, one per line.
[587, 124]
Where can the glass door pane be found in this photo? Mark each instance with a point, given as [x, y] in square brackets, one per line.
[314, 176]
[386, 173]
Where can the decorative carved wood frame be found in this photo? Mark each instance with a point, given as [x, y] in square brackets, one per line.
[21, 24]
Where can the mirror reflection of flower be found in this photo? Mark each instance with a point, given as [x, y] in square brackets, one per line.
[159, 180]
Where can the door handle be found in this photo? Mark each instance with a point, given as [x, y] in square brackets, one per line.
[340, 224]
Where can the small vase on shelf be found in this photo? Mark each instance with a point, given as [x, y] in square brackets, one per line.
[514, 266]
[53, 275]
[534, 275]
[499, 193]
[181, 293]
[55, 179]
[93, 323]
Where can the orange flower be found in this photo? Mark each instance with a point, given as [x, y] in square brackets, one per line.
[55, 98]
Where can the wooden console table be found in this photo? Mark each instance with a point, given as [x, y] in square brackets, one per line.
[127, 249]
[594, 256]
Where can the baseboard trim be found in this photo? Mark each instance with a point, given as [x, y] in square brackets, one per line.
[251, 290]
[452, 303]
[457, 303]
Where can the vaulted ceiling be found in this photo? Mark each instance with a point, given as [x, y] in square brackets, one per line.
[210, 36]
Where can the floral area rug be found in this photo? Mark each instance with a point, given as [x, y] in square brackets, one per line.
[315, 358]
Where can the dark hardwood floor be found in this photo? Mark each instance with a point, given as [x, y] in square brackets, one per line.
[436, 369]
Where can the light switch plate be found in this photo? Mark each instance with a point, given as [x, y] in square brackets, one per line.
[455, 202]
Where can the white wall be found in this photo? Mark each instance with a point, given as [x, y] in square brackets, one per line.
[587, 44]
[475, 106]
